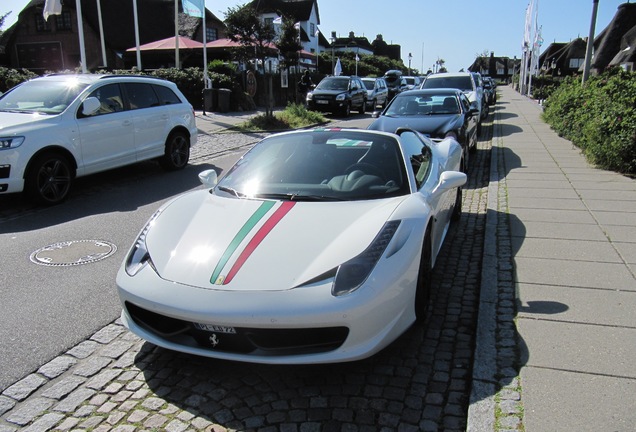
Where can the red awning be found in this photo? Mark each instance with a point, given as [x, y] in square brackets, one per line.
[169, 44]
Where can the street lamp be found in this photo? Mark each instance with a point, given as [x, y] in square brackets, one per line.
[410, 58]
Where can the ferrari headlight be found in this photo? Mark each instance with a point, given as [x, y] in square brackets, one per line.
[11, 142]
[352, 274]
[341, 97]
[139, 256]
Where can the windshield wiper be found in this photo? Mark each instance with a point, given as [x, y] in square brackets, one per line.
[231, 191]
[297, 197]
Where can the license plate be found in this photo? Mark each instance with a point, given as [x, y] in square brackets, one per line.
[324, 102]
[215, 328]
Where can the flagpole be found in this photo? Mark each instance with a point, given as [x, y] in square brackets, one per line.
[206, 78]
[101, 33]
[80, 29]
[176, 35]
[137, 34]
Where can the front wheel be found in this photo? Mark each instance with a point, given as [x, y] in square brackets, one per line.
[363, 107]
[457, 208]
[48, 179]
[423, 289]
[346, 110]
[177, 152]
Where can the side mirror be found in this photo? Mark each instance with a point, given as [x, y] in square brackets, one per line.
[208, 178]
[375, 114]
[449, 180]
[90, 106]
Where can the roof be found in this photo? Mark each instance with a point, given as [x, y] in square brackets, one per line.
[300, 10]
[608, 42]
[118, 24]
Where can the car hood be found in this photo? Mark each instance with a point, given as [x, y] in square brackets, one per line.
[10, 121]
[320, 92]
[212, 242]
[435, 124]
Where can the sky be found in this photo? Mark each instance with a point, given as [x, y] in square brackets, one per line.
[456, 31]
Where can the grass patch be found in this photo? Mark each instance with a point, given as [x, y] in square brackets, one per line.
[294, 116]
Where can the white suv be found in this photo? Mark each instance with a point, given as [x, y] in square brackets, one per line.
[464, 81]
[58, 127]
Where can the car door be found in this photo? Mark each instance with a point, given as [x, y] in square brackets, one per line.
[358, 91]
[107, 136]
[150, 119]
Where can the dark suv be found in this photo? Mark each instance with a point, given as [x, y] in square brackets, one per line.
[339, 95]
[395, 82]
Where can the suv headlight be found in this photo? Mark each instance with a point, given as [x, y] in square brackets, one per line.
[310, 96]
[11, 142]
[341, 97]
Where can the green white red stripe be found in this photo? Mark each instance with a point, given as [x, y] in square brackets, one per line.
[219, 279]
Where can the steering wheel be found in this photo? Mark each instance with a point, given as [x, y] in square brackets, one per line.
[366, 168]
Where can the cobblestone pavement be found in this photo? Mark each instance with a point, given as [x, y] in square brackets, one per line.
[116, 382]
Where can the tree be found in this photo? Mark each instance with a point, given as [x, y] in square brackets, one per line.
[2, 18]
[245, 26]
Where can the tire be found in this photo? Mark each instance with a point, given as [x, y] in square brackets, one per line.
[374, 103]
[363, 107]
[177, 152]
[457, 208]
[346, 110]
[48, 179]
[423, 289]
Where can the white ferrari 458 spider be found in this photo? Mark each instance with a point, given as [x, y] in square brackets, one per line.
[316, 246]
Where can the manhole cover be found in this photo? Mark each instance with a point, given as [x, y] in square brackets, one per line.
[75, 252]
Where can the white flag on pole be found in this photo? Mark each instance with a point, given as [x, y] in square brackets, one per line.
[337, 70]
[51, 7]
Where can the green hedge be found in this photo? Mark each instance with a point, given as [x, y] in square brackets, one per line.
[11, 77]
[599, 118]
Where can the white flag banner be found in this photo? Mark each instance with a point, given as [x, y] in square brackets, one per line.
[337, 70]
[51, 7]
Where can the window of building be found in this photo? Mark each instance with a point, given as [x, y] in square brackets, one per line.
[576, 63]
[40, 24]
[63, 22]
[312, 29]
[211, 34]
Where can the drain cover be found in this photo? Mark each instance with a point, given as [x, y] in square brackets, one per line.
[75, 252]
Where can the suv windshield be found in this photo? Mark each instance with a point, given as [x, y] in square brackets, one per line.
[333, 84]
[463, 83]
[369, 84]
[46, 97]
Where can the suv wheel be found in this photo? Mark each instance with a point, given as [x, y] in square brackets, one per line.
[48, 179]
[346, 110]
[177, 152]
[363, 107]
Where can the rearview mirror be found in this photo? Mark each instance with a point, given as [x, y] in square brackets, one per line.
[208, 178]
[449, 180]
[90, 106]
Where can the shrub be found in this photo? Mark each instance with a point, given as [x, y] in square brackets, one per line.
[599, 118]
[12, 77]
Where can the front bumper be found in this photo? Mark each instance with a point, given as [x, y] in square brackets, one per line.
[295, 326]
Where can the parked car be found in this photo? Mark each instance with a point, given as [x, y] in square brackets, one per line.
[463, 81]
[480, 89]
[377, 92]
[395, 82]
[490, 90]
[437, 113]
[412, 82]
[59, 127]
[316, 247]
[339, 95]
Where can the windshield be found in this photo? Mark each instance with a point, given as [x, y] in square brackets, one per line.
[46, 97]
[369, 84]
[413, 105]
[463, 83]
[333, 84]
[322, 165]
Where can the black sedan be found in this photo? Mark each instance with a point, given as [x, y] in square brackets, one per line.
[437, 113]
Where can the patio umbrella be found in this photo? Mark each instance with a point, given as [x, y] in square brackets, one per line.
[337, 70]
[169, 44]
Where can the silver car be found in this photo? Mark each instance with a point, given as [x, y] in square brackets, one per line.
[377, 91]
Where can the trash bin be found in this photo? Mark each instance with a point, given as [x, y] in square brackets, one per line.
[224, 100]
[210, 99]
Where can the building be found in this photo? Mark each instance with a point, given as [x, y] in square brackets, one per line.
[498, 68]
[616, 44]
[53, 45]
